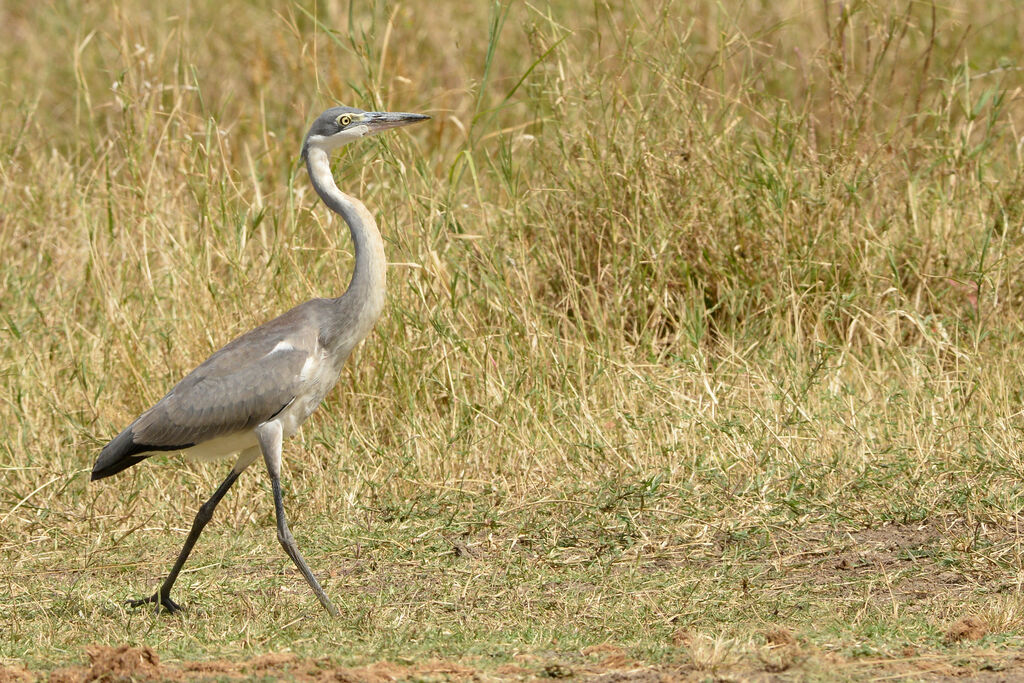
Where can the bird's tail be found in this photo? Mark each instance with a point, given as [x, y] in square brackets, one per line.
[119, 454]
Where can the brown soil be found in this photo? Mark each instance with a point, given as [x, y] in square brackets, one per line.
[124, 663]
[141, 664]
[779, 636]
[14, 674]
[837, 559]
[784, 661]
[967, 629]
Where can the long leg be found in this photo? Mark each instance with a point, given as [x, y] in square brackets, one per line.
[162, 598]
[270, 438]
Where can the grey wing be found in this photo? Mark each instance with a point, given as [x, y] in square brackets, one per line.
[239, 387]
[233, 391]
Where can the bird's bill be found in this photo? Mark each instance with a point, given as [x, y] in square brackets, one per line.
[378, 121]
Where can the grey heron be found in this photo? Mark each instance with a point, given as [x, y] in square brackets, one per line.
[255, 392]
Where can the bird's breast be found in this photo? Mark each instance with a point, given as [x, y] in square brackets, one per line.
[319, 375]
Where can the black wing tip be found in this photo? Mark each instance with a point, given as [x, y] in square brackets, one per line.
[119, 454]
[112, 469]
[123, 452]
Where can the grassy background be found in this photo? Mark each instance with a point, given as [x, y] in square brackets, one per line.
[704, 320]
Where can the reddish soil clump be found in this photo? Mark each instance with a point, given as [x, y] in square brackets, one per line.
[15, 674]
[968, 628]
[122, 663]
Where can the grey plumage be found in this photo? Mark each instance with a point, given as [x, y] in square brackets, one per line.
[258, 389]
[242, 385]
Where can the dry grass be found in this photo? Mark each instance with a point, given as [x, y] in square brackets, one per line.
[703, 320]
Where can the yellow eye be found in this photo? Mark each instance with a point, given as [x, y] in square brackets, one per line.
[344, 120]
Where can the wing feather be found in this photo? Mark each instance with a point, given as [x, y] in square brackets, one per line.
[245, 383]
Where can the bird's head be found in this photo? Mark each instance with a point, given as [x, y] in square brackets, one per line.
[341, 125]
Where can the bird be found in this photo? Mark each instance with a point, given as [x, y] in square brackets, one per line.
[257, 390]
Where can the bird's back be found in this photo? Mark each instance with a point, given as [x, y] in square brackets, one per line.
[244, 384]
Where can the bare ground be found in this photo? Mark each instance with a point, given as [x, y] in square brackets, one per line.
[788, 660]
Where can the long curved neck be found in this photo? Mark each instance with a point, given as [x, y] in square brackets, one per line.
[362, 303]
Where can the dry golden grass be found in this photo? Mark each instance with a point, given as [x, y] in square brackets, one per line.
[704, 319]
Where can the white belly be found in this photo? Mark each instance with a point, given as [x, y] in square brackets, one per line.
[222, 446]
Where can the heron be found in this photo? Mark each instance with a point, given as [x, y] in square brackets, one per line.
[257, 390]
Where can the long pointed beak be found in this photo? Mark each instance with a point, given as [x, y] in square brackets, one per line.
[378, 121]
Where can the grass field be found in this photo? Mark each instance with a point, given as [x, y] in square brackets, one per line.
[701, 357]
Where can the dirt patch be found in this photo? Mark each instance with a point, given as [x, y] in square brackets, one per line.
[609, 656]
[868, 549]
[910, 559]
[642, 676]
[122, 663]
[126, 663]
[779, 636]
[15, 674]
[967, 629]
[783, 651]
[783, 658]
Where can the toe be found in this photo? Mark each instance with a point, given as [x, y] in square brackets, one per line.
[138, 603]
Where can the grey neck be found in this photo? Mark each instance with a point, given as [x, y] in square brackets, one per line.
[361, 304]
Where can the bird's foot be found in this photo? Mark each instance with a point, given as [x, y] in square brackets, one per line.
[161, 602]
